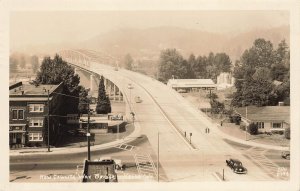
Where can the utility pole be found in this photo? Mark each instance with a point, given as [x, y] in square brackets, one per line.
[158, 157]
[118, 131]
[48, 118]
[88, 133]
[210, 101]
[246, 122]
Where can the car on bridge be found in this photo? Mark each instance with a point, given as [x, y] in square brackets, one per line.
[138, 99]
[236, 166]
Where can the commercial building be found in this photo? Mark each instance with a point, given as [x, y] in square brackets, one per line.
[28, 111]
[268, 118]
[225, 80]
[191, 84]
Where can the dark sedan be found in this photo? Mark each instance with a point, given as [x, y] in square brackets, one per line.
[236, 166]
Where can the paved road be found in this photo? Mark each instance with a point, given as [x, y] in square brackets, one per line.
[166, 112]
[33, 168]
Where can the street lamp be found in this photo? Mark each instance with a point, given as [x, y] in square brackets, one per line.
[158, 156]
[130, 87]
[246, 116]
[88, 134]
[48, 118]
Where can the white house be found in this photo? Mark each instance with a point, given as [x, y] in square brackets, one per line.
[268, 118]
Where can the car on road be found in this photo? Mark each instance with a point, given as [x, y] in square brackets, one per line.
[286, 155]
[236, 166]
[138, 99]
[130, 86]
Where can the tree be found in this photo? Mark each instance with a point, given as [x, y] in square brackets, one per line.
[254, 75]
[103, 102]
[83, 100]
[253, 129]
[212, 96]
[216, 106]
[34, 63]
[13, 64]
[199, 67]
[211, 66]
[287, 133]
[22, 62]
[255, 92]
[128, 61]
[222, 62]
[56, 71]
[262, 73]
[282, 54]
[278, 72]
[171, 63]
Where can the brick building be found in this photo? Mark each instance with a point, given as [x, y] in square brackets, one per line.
[28, 109]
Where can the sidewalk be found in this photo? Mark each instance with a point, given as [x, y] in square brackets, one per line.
[67, 150]
[215, 129]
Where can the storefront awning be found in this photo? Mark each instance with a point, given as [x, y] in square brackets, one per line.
[16, 125]
[20, 131]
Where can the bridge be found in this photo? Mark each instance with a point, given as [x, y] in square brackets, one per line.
[81, 61]
[174, 127]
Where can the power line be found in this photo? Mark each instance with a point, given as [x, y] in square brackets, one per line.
[66, 95]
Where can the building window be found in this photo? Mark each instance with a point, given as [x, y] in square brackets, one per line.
[277, 125]
[36, 123]
[36, 107]
[260, 125]
[35, 137]
[17, 114]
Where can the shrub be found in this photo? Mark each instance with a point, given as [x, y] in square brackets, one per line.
[280, 132]
[213, 96]
[217, 107]
[287, 133]
[243, 126]
[253, 129]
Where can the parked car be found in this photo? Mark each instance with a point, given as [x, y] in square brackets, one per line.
[137, 99]
[286, 155]
[117, 117]
[118, 163]
[236, 166]
[182, 91]
[81, 132]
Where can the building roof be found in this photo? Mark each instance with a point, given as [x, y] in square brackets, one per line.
[191, 83]
[266, 113]
[28, 92]
[20, 89]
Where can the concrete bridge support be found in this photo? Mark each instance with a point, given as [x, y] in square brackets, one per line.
[92, 80]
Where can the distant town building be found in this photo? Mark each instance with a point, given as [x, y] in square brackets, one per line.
[28, 109]
[268, 118]
[191, 84]
[225, 80]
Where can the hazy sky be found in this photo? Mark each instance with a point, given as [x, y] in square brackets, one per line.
[32, 28]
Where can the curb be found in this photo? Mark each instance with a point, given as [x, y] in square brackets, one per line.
[249, 143]
[65, 150]
[206, 120]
